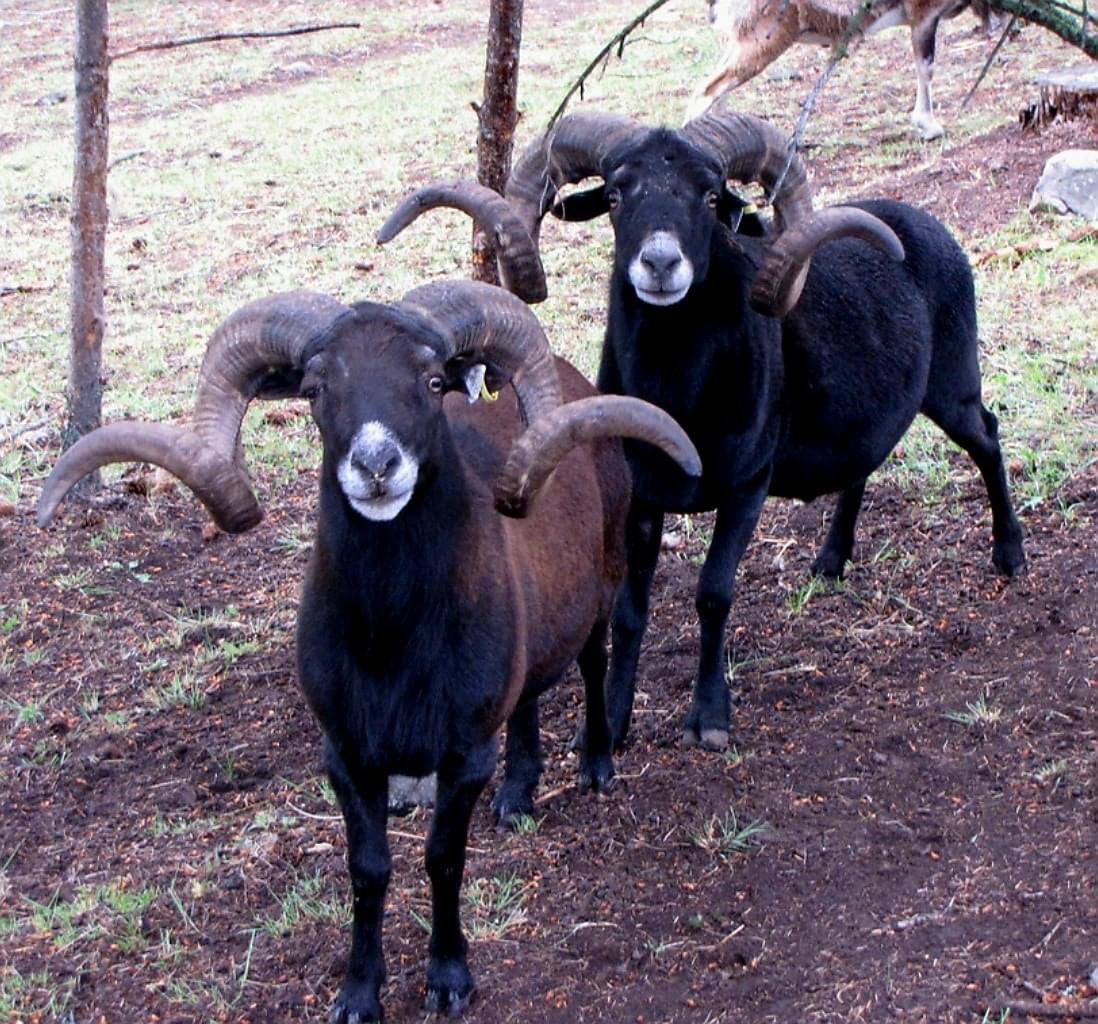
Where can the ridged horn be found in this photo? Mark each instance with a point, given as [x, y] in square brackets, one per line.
[751, 149]
[574, 149]
[778, 284]
[256, 353]
[216, 481]
[517, 257]
[495, 327]
[537, 452]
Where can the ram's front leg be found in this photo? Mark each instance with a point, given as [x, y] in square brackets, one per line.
[708, 720]
[449, 983]
[363, 799]
[643, 532]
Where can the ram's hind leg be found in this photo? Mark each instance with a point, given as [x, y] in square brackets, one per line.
[522, 765]
[597, 762]
[922, 45]
[839, 545]
[975, 429]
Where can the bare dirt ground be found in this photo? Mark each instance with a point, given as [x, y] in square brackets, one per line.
[918, 748]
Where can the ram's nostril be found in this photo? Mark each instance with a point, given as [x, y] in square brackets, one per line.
[378, 461]
[660, 262]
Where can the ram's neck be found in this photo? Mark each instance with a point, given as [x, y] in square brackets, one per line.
[395, 576]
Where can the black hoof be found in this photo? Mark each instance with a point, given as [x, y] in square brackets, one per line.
[356, 1008]
[1009, 560]
[450, 988]
[511, 804]
[597, 775]
[830, 565]
[707, 739]
[447, 1003]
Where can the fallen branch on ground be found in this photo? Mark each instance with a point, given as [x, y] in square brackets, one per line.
[216, 37]
[1087, 1010]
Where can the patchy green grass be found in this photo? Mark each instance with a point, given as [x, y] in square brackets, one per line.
[723, 835]
[977, 714]
[310, 900]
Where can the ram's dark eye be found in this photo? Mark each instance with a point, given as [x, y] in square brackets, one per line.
[711, 199]
[613, 198]
[435, 384]
[311, 389]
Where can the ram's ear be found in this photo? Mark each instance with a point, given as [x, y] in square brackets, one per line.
[739, 215]
[471, 380]
[586, 205]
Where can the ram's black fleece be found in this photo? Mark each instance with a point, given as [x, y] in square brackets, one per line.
[799, 407]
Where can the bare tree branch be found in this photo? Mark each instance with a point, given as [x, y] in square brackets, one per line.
[1052, 16]
[88, 227]
[497, 116]
[991, 57]
[838, 53]
[618, 42]
[216, 37]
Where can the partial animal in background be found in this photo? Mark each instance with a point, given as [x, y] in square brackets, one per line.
[426, 619]
[754, 33]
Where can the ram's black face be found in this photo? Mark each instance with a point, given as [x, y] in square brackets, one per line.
[376, 392]
[664, 198]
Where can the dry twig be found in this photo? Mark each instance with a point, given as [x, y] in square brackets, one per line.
[216, 37]
[1078, 1010]
[602, 57]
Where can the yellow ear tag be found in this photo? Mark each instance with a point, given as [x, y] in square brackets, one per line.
[749, 208]
[488, 396]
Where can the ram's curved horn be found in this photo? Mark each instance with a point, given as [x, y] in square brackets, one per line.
[537, 452]
[751, 149]
[778, 284]
[256, 353]
[493, 326]
[574, 149]
[216, 481]
[520, 267]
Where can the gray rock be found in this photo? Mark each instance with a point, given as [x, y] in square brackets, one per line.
[1069, 184]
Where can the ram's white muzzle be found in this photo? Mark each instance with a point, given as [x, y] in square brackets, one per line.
[660, 272]
[381, 494]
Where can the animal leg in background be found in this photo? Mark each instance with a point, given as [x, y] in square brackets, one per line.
[749, 51]
[922, 45]
[523, 764]
[839, 545]
[597, 767]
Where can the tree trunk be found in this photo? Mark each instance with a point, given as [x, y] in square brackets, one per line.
[89, 222]
[497, 116]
